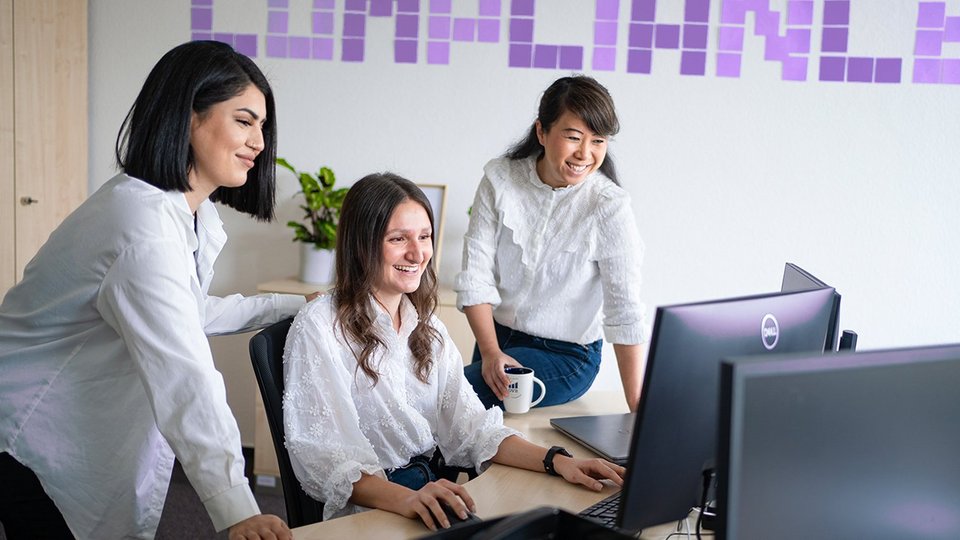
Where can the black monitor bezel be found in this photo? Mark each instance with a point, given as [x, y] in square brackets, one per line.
[625, 518]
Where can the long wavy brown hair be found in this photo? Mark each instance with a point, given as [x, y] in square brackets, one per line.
[364, 217]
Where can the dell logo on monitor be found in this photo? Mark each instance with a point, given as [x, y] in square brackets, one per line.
[770, 331]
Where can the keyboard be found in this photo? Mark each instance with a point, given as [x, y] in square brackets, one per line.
[605, 511]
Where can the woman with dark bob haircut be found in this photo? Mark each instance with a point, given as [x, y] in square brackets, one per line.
[375, 398]
[106, 374]
[551, 246]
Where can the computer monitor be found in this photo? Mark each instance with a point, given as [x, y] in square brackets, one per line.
[798, 279]
[854, 445]
[675, 436]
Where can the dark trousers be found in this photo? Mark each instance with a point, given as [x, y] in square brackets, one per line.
[26, 511]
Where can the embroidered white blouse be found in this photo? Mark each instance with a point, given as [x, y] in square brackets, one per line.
[105, 368]
[549, 260]
[338, 424]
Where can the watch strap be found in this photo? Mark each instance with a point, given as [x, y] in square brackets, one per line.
[548, 460]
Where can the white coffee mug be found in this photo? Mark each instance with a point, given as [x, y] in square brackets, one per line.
[520, 390]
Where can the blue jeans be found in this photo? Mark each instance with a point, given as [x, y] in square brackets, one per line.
[566, 369]
[413, 475]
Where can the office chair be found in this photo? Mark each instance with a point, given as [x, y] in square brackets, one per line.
[266, 352]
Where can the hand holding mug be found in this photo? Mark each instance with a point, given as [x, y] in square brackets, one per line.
[520, 390]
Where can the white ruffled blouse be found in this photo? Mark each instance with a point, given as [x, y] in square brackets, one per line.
[551, 261]
[339, 425]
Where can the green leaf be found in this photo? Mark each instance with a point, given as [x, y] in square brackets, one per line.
[309, 183]
[329, 230]
[300, 231]
[283, 163]
[326, 177]
[321, 206]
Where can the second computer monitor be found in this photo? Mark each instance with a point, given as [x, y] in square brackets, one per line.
[798, 279]
[858, 445]
[675, 437]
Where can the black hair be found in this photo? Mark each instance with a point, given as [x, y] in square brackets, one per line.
[154, 140]
[582, 96]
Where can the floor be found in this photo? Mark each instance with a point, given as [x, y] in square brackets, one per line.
[183, 513]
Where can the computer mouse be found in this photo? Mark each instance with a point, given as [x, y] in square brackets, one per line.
[455, 519]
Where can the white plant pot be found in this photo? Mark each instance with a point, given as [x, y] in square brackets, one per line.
[316, 265]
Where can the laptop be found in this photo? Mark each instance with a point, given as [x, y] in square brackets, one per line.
[607, 435]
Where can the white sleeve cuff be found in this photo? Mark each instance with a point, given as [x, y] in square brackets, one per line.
[231, 507]
[287, 305]
[488, 295]
[627, 334]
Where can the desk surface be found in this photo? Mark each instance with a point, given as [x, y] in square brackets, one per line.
[500, 489]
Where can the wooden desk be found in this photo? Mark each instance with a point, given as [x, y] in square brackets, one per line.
[500, 489]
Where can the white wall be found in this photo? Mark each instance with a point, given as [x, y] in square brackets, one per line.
[730, 177]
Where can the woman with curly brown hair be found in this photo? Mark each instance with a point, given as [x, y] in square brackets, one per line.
[375, 391]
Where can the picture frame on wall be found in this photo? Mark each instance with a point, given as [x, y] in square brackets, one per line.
[437, 195]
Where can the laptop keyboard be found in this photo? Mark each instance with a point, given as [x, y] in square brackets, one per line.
[604, 511]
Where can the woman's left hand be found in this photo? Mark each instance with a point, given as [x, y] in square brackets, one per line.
[589, 472]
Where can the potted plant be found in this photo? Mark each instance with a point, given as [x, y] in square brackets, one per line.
[318, 230]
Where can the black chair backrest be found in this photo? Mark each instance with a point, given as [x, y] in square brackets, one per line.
[266, 352]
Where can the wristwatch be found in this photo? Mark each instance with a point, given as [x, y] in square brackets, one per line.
[548, 461]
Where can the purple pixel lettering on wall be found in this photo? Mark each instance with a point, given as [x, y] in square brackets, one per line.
[693, 55]
[201, 28]
[934, 29]
[607, 20]
[445, 28]
[640, 38]
[836, 65]
[524, 52]
[791, 47]
[318, 45]
[407, 32]
[647, 34]
[786, 34]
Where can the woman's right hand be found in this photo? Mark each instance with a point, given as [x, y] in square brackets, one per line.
[260, 527]
[493, 372]
[427, 503]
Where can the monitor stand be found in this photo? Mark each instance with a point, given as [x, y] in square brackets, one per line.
[708, 501]
[848, 341]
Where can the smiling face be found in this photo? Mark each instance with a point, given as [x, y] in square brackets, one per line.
[226, 139]
[571, 151]
[406, 249]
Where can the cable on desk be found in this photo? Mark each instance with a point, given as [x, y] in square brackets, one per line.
[708, 479]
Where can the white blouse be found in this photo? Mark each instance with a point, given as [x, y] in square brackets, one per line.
[105, 368]
[548, 260]
[339, 425]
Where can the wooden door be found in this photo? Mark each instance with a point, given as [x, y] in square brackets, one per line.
[8, 259]
[49, 112]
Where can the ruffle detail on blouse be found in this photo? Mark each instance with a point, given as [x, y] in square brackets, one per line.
[480, 436]
[522, 203]
[339, 487]
[520, 196]
[489, 444]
